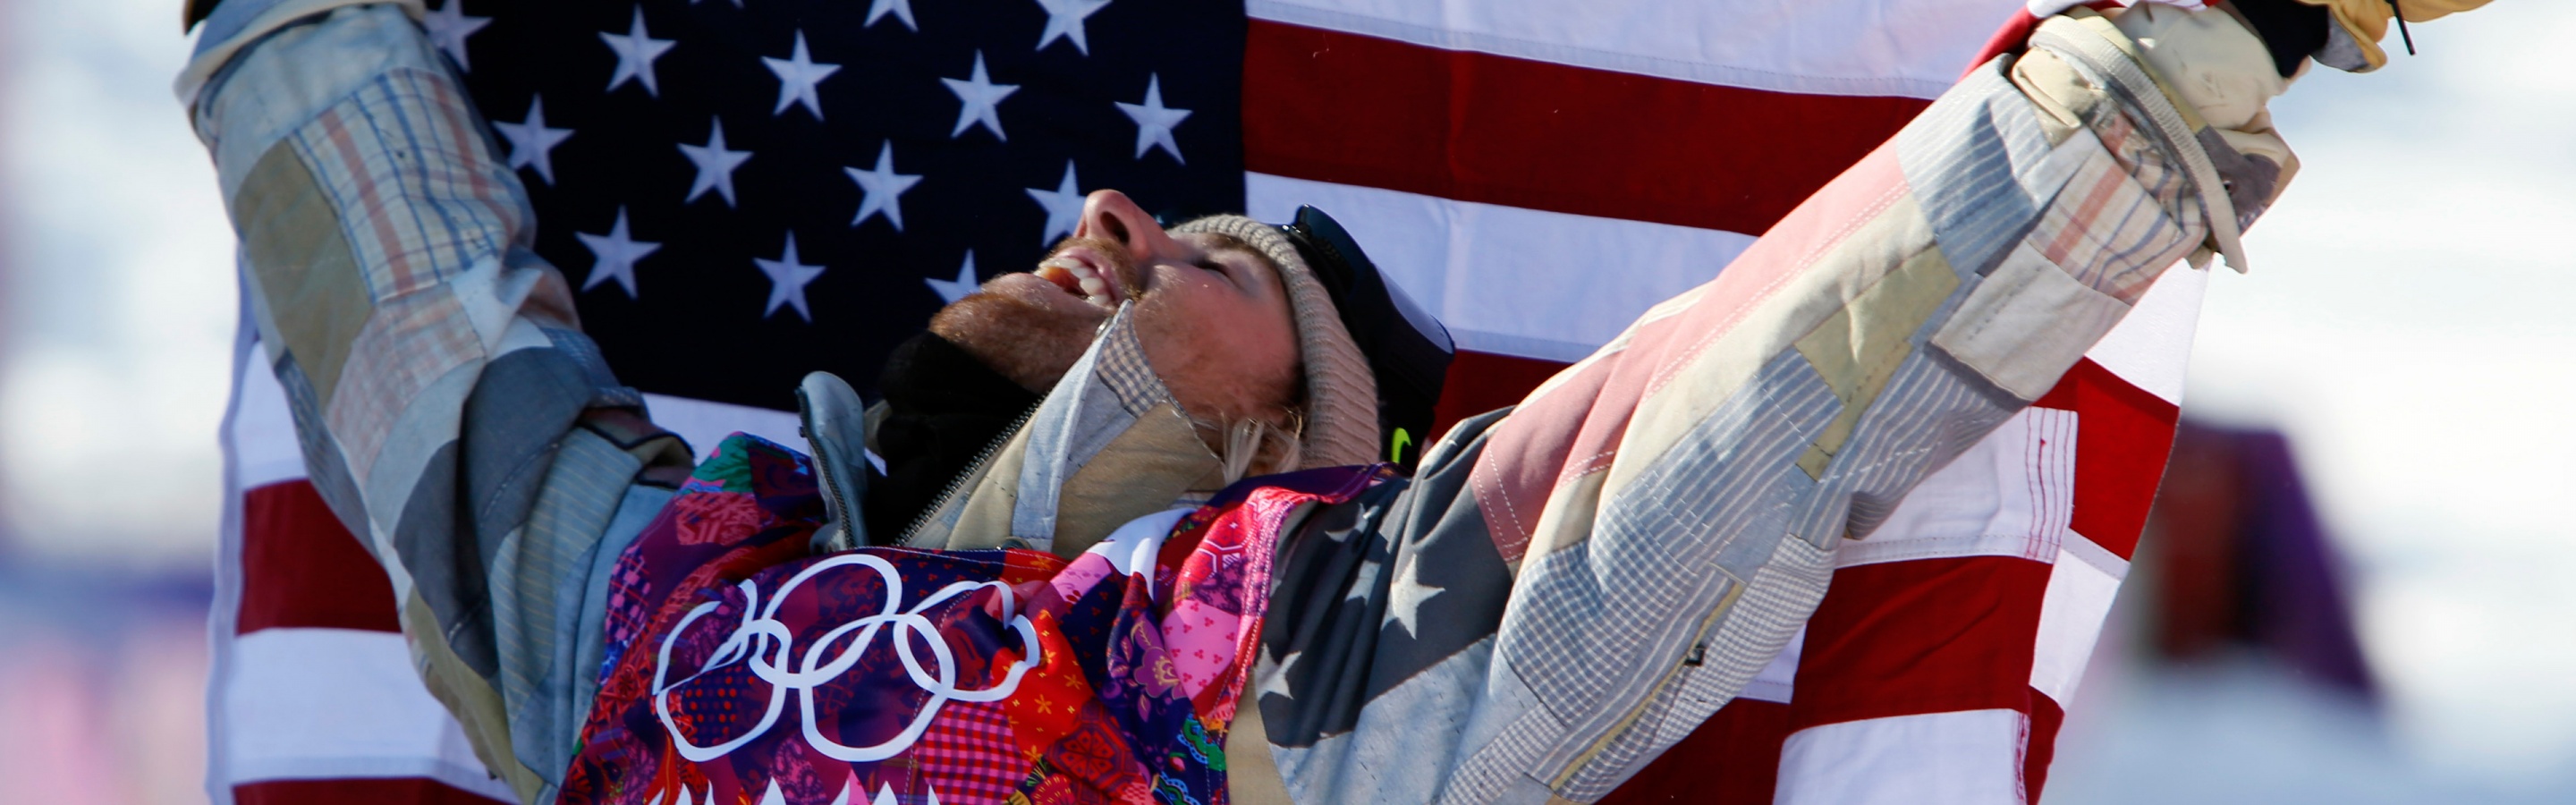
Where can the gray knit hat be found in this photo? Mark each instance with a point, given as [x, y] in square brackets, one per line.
[1341, 394]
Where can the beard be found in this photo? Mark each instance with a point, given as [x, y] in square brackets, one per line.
[1032, 331]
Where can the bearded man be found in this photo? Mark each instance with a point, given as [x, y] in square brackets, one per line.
[1130, 487]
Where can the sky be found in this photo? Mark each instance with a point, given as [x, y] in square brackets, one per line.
[2405, 322]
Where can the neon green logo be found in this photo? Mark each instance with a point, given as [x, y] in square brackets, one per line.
[1395, 449]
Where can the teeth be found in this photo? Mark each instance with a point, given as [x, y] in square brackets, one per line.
[1095, 288]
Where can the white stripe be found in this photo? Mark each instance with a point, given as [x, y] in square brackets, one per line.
[2012, 494]
[2079, 595]
[1823, 47]
[264, 448]
[1510, 280]
[703, 423]
[338, 703]
[1962, 758]
[2151, 347]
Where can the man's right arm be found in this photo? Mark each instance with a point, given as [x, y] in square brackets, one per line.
[450, 410]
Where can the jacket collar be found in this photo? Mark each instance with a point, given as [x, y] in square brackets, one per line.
[1107, 445]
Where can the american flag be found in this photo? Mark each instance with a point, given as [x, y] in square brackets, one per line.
[745, 190]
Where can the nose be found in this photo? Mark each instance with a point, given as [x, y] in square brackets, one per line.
[1111, 215]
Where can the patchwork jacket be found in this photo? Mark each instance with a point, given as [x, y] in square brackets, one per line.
[1563, 590]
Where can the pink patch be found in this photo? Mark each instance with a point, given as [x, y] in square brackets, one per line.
[1201, 642]
[1084, 573]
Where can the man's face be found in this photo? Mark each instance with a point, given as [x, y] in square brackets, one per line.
[1212, 314]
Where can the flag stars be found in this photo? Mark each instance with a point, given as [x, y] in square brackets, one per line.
[448, 27]
[882, 189]
[788, 277]
[715, 165]
[1154, 121]
[1065, 21]
[1404, 607]
[797, 75]
[531, 142]
[1063, 206]
[615, 255]
[950, 291]
[977, 98]
[902, 10]
[635, 54]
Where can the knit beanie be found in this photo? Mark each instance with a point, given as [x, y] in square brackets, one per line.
[1341, 423]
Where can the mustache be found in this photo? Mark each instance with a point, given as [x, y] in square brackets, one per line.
[1121, 269]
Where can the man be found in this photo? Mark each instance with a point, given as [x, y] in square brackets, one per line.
[1563, 589]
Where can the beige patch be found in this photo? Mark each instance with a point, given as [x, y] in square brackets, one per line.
[1804, 300]
[1251, 776]
[2027, 323]
[467, 696]
[303, 265]
[2063, 97]
[1139, 473]
[1856, 350]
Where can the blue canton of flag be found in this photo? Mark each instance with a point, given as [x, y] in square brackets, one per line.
[747, 190]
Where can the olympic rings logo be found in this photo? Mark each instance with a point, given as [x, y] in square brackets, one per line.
[768, 647]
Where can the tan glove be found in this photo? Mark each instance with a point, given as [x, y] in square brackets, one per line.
[2364, 22]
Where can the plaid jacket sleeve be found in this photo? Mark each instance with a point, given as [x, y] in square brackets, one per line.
[450, 410]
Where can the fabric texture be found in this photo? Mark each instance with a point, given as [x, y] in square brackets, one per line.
[1520, 637]
[1111, 677]
[1341, 394]
[452, 414]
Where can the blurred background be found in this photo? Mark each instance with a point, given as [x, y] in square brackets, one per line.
[2356, 586]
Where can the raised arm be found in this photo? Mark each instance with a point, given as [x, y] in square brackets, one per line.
[451, 411]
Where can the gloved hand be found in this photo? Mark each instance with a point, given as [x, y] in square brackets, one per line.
[2361, 23]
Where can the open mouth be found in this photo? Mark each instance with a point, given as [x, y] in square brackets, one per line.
[1083, 280]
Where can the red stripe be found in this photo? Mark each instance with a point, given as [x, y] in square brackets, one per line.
[1358, 110]
[375, 791]
[300, 567]
[2124, 437]
[1483, 381]
[1925, 636]
[1732, 759]
[2045, 718]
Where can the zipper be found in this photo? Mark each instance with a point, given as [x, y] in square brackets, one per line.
[974, 469]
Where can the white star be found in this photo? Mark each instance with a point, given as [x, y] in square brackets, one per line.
[1404, 605]
[1064, 19]
[797, 75]
[883, 189]
[902, 9]
[847, 785]
[616, 254]
[715, 165]
[1154, 122]
[1063, 206]
[952, 290]
[977, 96]
[1278, 681]
[531, 143]
[773, 796]
[448, 27]
[787, 280]
[635, 54]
